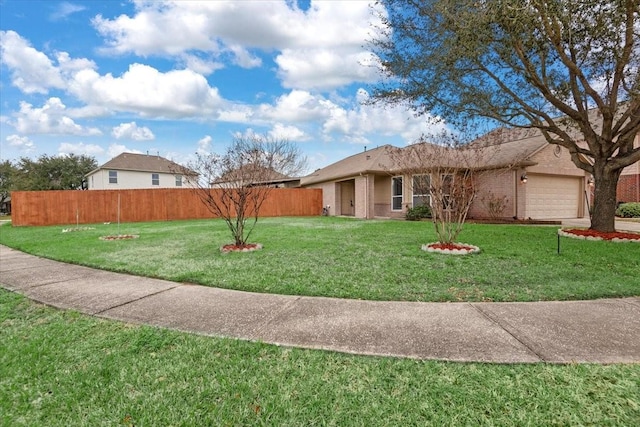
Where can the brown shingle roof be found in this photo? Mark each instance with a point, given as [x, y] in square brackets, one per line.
[142, 163]
[380, 160]
[252, 174]
[377, 160]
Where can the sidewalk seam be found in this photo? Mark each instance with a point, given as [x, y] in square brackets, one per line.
[508, 329]
[98, 313]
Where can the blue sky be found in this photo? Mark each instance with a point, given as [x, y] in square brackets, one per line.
[178, 77]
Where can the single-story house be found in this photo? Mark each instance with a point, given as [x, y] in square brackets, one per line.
[135, 171]
[536, 180]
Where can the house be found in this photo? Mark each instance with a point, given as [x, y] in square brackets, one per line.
[5, 206]
[255, 175]
[629, 182]
[134, 171]
[535, 180]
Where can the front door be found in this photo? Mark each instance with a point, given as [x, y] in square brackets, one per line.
[348, 198]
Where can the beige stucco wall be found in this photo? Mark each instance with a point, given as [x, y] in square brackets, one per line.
[128, 180]
[554, 160]
[330, 196]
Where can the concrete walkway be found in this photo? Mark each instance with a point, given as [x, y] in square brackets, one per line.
[601, 331]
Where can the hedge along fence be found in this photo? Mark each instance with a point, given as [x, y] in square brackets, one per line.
[94, 206]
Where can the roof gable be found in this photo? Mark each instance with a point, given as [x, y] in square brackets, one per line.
[141, 163]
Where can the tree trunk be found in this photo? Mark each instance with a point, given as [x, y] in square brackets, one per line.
[605, 200]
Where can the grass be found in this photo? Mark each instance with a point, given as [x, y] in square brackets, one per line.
[346, 258]
[61, 368]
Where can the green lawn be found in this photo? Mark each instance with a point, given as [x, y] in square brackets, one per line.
[61, 368]
[346, 258]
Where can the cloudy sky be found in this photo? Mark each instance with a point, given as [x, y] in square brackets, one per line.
[176, 77]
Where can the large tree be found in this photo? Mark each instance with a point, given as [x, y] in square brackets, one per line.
[568, 68]
[53, 172]
[8, 173]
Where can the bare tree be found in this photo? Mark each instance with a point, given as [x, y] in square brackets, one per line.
[445, 172]
[570, 69]
[234, 185]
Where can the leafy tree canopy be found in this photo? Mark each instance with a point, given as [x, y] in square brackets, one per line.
[568, 68]
[53, 172]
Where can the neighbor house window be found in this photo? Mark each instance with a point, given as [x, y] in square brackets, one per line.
[155, 179]
[421, 190]
[396, 193]
[178, 180]
[113, 177]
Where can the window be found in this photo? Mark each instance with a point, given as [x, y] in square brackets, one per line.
[155, 179]
[396, 193]
[113, 177]
[421, 190]
[178, 180]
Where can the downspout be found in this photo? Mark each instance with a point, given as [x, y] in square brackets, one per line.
[515, 204]
[366, 195]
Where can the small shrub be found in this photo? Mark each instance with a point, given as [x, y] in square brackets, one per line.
[495, 205]
[628, 210]
[418, 213]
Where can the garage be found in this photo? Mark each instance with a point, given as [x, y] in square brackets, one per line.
[550, 196]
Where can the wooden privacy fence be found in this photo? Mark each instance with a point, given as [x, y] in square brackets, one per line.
[95, 206]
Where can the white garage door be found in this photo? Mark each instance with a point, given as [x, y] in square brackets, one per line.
[552, 197]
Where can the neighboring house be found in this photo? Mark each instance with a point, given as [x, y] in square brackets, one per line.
[538, 180]
[134, 171]
[629, 183]
[5, 206]
[254, 175]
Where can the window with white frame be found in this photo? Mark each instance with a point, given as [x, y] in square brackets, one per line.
[155, 179]
[178, 180]
[113, 177]
[421, 190]
[396, 193]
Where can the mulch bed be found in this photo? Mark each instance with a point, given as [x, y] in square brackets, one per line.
[512, 221]
[587, 234]
[451, 248]
[248, 247]
[120, 237]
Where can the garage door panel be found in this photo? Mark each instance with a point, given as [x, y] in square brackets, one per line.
[553, 196]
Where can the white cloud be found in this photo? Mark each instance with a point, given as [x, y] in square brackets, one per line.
[319, 48]
[204, 145]
[290, 133]
[31, 70]
[132, 131]
[52, 118]
[362, 121]
[65, 9]
[116, 149]
[146, 91]
[80, 148]
[324, 68]
[201, 65]
[21, 142]
[296, 106]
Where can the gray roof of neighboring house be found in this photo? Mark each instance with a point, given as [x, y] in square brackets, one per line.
[499, 153]
[141, 163]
